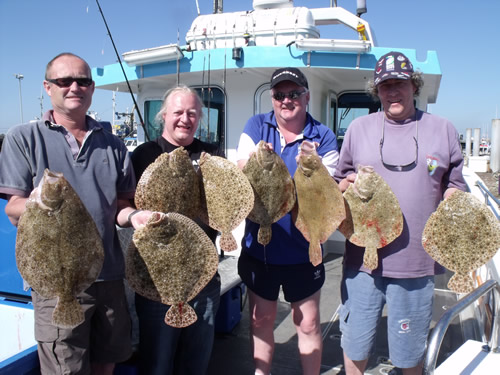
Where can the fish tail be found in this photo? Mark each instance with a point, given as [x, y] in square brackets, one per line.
[315, 255]
[227, 242]
[461, 283]
[180, 315]
[264, 235]
[67, 314]
[370, 258]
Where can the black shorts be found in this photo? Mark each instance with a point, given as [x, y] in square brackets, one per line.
[299, 281]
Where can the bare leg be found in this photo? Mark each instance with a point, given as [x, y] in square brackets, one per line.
[102, 368]
[262, 316]
[308, 325]
[354, 367]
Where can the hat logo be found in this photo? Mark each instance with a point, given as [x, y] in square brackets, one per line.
[286, 72]
[389, 63]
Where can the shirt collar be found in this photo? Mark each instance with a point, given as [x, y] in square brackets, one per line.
[48, 118]
[310, 129]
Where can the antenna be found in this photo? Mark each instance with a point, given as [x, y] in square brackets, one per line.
[123, 70]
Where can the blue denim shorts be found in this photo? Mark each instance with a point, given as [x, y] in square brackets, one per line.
[298, 281]
[409, 313]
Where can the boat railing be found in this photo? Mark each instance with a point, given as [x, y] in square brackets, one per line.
[488, 198]
[439, 331]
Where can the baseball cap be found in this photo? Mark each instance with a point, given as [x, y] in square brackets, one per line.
[289, 74]
[393, 65]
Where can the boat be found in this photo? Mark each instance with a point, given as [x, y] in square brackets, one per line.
[229, 58]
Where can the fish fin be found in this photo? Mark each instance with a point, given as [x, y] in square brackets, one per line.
[227, 242]
[264, 235]
[180, 315]
[460, 283]
[67, 314]
[370, 258]
[315, 255]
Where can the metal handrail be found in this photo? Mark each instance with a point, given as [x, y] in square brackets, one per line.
[437, 336]
[487, 196]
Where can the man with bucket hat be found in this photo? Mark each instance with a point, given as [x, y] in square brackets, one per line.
[419, 156]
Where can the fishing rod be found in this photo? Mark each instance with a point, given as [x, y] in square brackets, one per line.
[124, 74]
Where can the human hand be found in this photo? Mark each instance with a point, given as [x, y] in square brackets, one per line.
[139, 218]
[344, 184]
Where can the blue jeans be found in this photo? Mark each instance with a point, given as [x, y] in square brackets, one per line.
[165, 350]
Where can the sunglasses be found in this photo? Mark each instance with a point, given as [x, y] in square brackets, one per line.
[68, 81]
[292, 95]
[403, 167]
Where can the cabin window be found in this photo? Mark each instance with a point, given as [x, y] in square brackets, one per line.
[211, 125]
[347, 107]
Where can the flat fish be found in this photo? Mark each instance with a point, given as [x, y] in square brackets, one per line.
[170, 184]
[59, 251]
[227, 197]
[320, 205]
[461, 235]
[374, 217]
[273, 187]
[170, 260]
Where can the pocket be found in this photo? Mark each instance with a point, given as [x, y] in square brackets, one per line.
[343, 314]
[45, 331]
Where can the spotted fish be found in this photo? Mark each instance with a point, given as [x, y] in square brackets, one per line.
[170, 184]
[59, 251]
[462, 235]
[320, 205]
[374, 217]
[226, 195]
[273, 187]
[170, 260]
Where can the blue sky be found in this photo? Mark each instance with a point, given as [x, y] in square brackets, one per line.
[464, 34]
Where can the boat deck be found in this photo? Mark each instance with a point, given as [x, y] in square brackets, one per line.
[232, 351]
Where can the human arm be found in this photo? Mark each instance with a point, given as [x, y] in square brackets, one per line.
[129, 216]
[14, 208]
[246, 147]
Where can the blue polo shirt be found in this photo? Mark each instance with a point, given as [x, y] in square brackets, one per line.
[288, 245]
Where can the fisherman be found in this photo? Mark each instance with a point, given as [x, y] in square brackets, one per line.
[165, 350]
[97, 165]
[284, 262]
[419, 156]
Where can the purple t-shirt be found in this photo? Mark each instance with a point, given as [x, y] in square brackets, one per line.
[419, 191]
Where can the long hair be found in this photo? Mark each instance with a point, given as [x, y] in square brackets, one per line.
[416, 78]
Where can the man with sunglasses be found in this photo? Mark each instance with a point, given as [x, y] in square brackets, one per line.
[419, 156]
[284, 262]
[97, 165]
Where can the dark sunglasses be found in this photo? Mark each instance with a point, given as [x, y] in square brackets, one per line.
[68, 81]
[404, 167]
[292, 95]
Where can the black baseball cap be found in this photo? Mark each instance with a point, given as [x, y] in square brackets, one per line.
[393, 65]
[289, 74]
